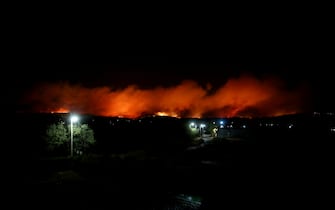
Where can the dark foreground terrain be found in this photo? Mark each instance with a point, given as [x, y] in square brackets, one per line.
[267, 169]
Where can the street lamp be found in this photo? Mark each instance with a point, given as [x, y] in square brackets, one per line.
[73, 119]
[192, 125]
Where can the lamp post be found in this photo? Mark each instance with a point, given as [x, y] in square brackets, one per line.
[73, 119]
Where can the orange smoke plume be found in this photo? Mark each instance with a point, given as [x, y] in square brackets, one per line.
[244, 96]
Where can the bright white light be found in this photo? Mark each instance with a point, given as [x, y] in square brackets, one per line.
[244, 126]
[74, 118]
[221, 122]
[202, 125]
[192, 124]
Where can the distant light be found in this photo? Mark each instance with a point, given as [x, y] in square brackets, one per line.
[74, 118]
[244, 126]
[214, 123]
[332, 129]
[202, 125]
[290, 126]
[189, 198]
[221, 122]
[221, 126]
[192, 126]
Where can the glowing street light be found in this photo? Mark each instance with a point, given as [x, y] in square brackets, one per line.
[192, 125]
[73, 119]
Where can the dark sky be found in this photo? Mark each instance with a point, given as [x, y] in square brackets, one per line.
[153, 71]
[156, 70]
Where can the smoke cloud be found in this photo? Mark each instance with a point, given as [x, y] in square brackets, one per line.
[245, 96]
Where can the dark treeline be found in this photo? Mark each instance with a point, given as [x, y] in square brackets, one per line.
[111, 134]
[168, 134]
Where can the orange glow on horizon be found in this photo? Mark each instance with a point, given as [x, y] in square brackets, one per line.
[245, 96]
[167, 114]
[60, 110]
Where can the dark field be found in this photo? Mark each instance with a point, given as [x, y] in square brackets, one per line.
[157, 165]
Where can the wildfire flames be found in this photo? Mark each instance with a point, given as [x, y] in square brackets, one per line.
[244, 96]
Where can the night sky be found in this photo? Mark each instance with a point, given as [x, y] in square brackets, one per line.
[209, 72]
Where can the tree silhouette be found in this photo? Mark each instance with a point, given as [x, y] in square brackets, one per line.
[58, 138]
[83, 138]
